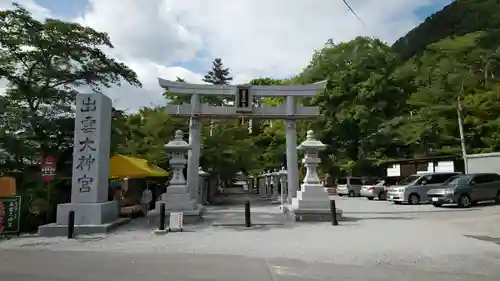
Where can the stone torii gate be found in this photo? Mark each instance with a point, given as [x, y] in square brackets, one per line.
[243, 107]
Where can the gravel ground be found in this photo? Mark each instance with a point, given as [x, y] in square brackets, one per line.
[420, 237]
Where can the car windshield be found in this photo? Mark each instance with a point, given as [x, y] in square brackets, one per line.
[380, 183]
[409, 179]
[458, 180]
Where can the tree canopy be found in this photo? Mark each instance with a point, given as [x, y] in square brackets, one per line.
[381, 102]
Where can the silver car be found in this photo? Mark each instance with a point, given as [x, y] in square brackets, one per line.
[378, 190]
[413, 189]
[350, 186]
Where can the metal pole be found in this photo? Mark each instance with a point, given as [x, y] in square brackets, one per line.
[333, 209]
[49, 206]
[71, 224]
[248, 222]
[162, 217]
[462, 135]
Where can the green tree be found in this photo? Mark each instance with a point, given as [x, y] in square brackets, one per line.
[456, 19]
[45, 64]
[454, 68]
[362, 95]
[218, 75]
[144, 134]
[175, 99]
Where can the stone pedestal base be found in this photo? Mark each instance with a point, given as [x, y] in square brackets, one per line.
[311, 204]
[177, 199]
[189, 216]
[90, 218]
[311, 215]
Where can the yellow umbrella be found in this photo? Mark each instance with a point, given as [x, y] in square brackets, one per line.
[121, 166]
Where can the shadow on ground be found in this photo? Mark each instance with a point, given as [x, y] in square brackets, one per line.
[495, 240]
[477, 206]
[355, 219]
[228, 212]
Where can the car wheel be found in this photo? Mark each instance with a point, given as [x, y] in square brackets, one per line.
[370, 198]
[382, 196]
[340, 195]
[397, 202]
[464, 201]
[413, 199]
[497, 199]
[437, 205]
[351, 193]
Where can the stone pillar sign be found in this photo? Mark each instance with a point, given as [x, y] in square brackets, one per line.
[91, 149]
[312, 202]
[89, 188]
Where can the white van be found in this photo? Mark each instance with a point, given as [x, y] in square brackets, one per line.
[350, 186]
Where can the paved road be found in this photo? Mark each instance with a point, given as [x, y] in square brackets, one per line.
[43, 265]
[377, 241]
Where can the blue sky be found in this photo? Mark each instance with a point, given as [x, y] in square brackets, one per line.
[64, 8]
[426, 11]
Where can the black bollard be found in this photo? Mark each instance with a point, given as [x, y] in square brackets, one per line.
[333, 209]
[162, 217]
[248, 222]
[71, 224]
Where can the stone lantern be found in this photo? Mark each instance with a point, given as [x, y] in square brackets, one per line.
[312, 202]
[269, 184]
[203, 188]
[275, 184]
[178, 198]
[242, 181]
[251, 184]
[283, 185]
[261, 182]
[267, 177]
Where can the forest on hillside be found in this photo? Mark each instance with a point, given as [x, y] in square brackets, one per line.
[382, 102]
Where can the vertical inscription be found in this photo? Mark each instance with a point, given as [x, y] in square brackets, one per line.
[85, 149]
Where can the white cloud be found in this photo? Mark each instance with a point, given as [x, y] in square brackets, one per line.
[254, 38]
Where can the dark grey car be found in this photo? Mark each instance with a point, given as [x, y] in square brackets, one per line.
[466, 190]
[413, 189]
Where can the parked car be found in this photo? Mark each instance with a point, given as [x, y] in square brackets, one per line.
[466, 190]
[378, 190]
[413, 189]
[350, 186]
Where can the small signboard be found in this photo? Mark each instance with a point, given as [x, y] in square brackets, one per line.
[176, 221]
[49, 169]
[10, 214]
[7, 186]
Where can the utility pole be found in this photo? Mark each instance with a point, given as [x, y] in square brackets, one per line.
[462, 136]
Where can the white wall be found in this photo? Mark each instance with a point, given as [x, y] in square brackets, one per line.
[484, 163]
[394, 171]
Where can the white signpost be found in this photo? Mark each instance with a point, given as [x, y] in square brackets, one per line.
[176, 221]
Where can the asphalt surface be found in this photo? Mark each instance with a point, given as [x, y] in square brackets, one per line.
[43, 265]
[376, 241]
